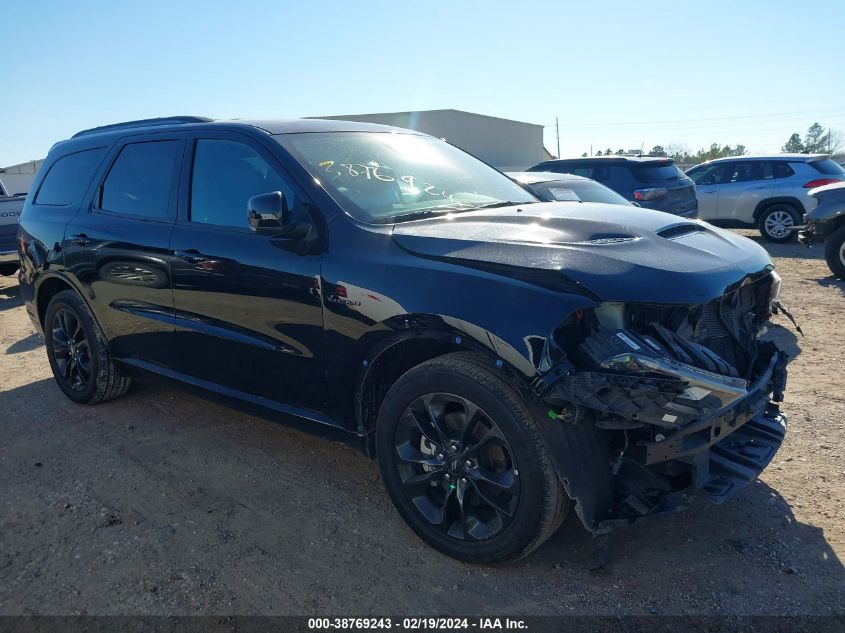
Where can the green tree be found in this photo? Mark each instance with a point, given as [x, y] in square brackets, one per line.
[658, 150]
[619, 152]
[816, 140]
[598, 153]
[584, 155]
[608, 152]
[794, 144]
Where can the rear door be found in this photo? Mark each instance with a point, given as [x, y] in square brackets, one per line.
[118, 245]
[249, 313]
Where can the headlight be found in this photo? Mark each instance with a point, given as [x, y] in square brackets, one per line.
[775, 291]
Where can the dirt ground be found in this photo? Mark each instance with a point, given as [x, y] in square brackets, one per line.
[170, 502]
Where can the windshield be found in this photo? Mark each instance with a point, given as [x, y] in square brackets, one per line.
[384, 177]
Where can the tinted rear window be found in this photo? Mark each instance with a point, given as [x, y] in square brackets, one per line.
[828, 167]
[67, 177]
[656, 172]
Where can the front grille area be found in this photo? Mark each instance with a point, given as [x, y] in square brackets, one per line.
[728, 325]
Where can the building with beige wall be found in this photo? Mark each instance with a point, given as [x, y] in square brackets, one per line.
[506, 144]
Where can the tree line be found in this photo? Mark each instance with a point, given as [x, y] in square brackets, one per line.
[817, 140]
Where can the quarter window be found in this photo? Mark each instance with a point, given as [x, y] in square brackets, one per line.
[141, 179]
[226, 175]
[67, 177]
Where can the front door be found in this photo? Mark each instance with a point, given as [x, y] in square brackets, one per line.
[708, 186]
[743, 189]
[248, 310]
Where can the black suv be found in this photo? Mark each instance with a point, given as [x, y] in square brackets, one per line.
[504, 358]
[652, 182]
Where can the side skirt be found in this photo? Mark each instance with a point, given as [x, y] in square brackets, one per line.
[266, 403]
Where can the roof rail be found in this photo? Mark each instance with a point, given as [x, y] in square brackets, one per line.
[168, 120]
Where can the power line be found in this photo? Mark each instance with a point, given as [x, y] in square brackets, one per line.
[818, 113]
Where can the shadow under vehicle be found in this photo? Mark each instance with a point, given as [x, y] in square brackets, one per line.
[506, 359]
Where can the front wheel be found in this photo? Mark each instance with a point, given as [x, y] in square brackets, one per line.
[463, 461]
[834, 252]
[776, 223]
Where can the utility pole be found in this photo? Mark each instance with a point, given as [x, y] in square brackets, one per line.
[557, 133]
[829, 142]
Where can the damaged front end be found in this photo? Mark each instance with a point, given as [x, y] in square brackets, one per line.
[651, 403]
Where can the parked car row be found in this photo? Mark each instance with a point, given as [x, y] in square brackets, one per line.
[766, 192]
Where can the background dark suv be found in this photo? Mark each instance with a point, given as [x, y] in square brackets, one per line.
[652, 182]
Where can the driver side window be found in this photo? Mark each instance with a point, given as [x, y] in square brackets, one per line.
[226, 174]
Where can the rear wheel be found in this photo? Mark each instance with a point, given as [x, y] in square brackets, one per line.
[463, 461]
[834, 252]
[777, 221]
[78, 352]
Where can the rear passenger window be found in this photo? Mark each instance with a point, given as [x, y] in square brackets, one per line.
[140, 180]
[68, 176]
[782, 170]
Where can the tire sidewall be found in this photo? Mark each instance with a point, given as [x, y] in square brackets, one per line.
[761, 225]
[69, 300]
[522, 530]
[833, 244]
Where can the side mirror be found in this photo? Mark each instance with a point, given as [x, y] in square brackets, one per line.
[268, 213]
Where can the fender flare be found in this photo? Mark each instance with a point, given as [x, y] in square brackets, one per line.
[765, 204]
[448, 331]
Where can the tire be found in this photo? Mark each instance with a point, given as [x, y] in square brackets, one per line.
[480, 521]
[834, 252]
[776, 220]
[78, 352]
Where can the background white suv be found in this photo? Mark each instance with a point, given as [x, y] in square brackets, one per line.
[769, 192]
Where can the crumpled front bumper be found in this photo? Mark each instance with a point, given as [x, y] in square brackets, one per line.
[721, 453]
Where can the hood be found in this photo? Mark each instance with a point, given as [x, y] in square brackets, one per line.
[618, 253]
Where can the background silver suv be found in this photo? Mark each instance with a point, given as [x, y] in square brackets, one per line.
[769, 192]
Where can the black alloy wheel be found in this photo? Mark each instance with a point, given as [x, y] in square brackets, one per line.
[457, 467]
[463, 460]
[78, 352]
[71, 350]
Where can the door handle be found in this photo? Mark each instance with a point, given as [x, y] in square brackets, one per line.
[191, 255]
[80, 240]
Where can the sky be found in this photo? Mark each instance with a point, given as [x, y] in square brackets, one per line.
[615, 74]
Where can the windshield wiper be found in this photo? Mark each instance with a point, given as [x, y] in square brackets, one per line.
[426, 213]
[503, 203]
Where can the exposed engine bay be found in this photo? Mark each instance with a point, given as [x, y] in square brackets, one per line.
[672, 398]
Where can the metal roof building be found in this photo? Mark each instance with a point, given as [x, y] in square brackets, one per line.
[504, 143]
[18, 178]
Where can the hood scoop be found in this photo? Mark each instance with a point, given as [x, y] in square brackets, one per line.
[677, 230]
